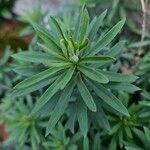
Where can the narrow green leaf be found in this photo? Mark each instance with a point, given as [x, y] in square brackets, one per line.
[147, 132]
[97, 142]
[72, 118]
[107, 38]
[59, 64]
[36, 57]
[32, 88]
[95, 25]
[86, 143]
[27, 70]
[86, 95]
[82, 117]
[67, 77]
[60, 107]
[93, 74]
[50, 51]
[109, 98]
[127, 87]
[55, 22]
[142, 137]
[36, 78]
[46, 37]
[49, 93]
[117, 77]
[77, 25]
[116, 50]
[128, 132]
[97, 60]
[100, 117]
[84, 22]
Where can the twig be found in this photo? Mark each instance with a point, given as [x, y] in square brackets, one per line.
[143, 4]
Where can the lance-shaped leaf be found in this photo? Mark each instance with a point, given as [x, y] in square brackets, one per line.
[127, 87]
[60, 107]
[100, 117]
[36, 78]
[82, 117]
[32, 88]
[49, 93]
[109, 98]
[83, 26]
[46, 37]
[117, 77]
[95, 25]
[97, 60]
[50, 51]
[72, 118]
[93, 74]
[104, 41]
[58, 64]
[87, 97]
[67, 77]
[116, 50]
[55, 22]
[36, 57]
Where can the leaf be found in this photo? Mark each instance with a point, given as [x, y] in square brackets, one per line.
[34, 87]
[36, 57]
[142, 137]
[86, 143]
[97, 142]
[58, 64]
[95, 25]
[107, 38]
[58, 27]
[49, 93]
[147, 132]
[109, 98]
[72, 118]
[97, 60]
[86, 95]
[84, 22]
[113, 143]
[36, 78]
[46, 37]
[116, 50]
[127, 87]
[50, 51]
[100, 117]
[27, 70]
[93, 74]
[117, 77]
[60, 107]
[82, 117]
[67, 77]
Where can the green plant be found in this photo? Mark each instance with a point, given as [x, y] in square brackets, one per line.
[58, 140]
[75, 68]
[123, 126]
[23, 128]
[143, 137]
[6, 74]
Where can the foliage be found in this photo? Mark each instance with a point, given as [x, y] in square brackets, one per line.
[6, 74]
[69, 82]
[74, 64]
